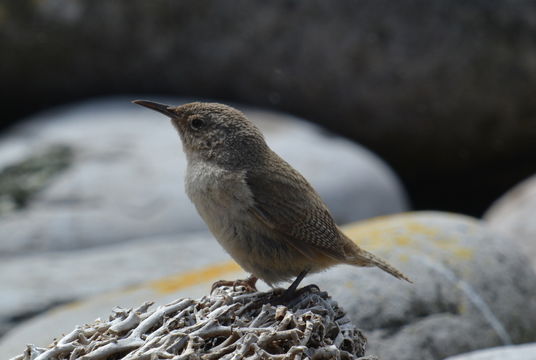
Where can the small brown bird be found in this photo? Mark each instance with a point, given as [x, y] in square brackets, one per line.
[260, 209]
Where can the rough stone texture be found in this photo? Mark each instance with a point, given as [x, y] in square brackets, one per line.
[229, 324]
[514, 214]
[472, 288]
[519, 352]
[34, 283]
[193, 282]
[126, 179]
[20, 182]
[444, 90]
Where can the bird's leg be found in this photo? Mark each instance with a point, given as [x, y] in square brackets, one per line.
[291, 291]
[249, 284]
[290, 294]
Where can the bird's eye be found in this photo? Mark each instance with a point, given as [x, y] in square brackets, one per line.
[197, 123]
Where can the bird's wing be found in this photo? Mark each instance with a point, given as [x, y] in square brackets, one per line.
[286, 203]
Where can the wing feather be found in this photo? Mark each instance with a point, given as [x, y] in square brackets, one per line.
[286, 203]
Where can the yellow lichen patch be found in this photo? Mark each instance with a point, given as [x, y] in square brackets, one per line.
[69, 306]
[388, 231]
[174, 283]
[370, 236]
[402, 240]
[410, 230]
[451, 245]
[415, 227]
[404, 258]
[464, 253]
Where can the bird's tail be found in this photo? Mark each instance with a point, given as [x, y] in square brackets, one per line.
[362, 257]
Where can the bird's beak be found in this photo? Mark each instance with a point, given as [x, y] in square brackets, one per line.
[162, 108]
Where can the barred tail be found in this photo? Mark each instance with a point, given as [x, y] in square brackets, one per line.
[364, 258]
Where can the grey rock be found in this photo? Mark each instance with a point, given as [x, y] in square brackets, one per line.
[34, 283]
[513, 215]
[126, 179]
[441, 89]
[519, 352]
[472, 289]
[21, 181]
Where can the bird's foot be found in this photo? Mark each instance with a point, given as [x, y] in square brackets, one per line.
[248, 284]
[290, 296]
[306, 289]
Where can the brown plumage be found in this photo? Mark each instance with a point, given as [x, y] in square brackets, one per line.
[261, 210]
[294, 209]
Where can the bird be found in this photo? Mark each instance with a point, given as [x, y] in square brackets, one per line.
[261, 210]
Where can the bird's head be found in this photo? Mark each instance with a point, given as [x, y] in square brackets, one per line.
[213, 132]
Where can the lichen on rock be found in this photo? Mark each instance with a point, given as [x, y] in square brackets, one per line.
[22, 180]
[230, 324]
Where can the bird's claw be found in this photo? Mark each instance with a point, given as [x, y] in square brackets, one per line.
[289, 298]
[307, 289]
[248, 284]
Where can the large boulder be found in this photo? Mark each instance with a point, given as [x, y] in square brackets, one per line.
[472, 289]
[517, 352]
[35, 283]
[125, 168]
[444, 90]
[513, 215]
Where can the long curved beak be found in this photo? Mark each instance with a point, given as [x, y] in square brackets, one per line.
[162, 108]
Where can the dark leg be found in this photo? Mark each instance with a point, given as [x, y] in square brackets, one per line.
[292, 288]
[291, 295]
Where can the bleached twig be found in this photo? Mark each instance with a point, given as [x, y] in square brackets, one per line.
[230, 324]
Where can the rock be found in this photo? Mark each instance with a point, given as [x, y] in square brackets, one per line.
[22, 181]
[193, 282]
[513, 216]
[125, 180]
[441, 90]
[471, 290]
[518, 352]
[34, 283]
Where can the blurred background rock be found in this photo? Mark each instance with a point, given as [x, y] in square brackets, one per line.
[435, 100]
[442, 90]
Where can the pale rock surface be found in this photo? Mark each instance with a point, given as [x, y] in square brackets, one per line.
[42, 328]
[517, 352]
[126, 181]
[514, 215]
[471, 290]
[33, 283]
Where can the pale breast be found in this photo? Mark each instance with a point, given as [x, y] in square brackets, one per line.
[221, 197]
[210, 184]
[224, 200]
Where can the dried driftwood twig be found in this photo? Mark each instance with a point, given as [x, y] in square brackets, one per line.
[231, 324]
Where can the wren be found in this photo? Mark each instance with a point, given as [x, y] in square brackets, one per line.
[260, 209]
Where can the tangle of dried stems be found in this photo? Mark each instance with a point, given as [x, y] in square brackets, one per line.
[230, 324]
